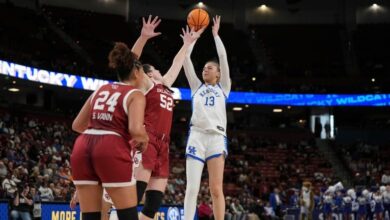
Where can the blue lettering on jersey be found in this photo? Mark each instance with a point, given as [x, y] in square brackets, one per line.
[210, 101]
[208, 91]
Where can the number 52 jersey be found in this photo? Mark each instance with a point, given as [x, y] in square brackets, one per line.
[159, 110]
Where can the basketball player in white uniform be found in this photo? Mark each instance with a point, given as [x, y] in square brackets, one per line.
[207, 141]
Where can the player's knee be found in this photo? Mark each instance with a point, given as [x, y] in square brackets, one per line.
[216, 191]
[192, 190]
[153, 200]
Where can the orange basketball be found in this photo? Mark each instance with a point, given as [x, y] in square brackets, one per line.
[197, 19]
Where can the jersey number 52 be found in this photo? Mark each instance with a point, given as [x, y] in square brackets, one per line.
[166, 102]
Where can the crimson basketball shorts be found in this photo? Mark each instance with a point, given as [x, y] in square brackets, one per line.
[104, 159]
[156, 156]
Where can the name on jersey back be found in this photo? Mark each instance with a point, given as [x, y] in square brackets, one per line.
[102, 116]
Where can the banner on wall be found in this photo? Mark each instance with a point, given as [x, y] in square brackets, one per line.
[62, 211]
[281, 99]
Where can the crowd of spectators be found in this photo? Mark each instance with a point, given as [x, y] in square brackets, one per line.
[367, 163]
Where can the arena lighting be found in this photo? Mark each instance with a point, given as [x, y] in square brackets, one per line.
[375, 7]
[201, 4]
[373, 80]
[13, 89]
[277, 110]
[14, 82]
[289, 107]
[42, 76]
[246, 106]
[237, 109]
[263, 7]
[253, 79]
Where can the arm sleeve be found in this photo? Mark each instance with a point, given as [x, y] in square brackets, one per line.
[189, 71]
[225, 80]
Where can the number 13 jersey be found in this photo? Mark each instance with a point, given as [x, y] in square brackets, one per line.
[159, 110]
[209, 109]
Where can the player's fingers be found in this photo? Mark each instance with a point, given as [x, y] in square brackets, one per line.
[182, 36]
[157, 34]
[143, 21]
[155, 19]
[149, 19]
[157, 23]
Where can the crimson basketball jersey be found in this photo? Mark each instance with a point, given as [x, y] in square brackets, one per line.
[159, 109]
[109, 108]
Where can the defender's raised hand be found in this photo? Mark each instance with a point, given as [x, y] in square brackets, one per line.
[189, 36]
[149, 26]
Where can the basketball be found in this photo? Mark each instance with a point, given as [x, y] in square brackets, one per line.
[197, 19]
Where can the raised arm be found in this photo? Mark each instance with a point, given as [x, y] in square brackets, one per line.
[225, 80]
[147, 33]
[189, 69]
[188, 38]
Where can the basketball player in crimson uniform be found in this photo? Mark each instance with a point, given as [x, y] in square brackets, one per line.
[101, 157]
[152, 171]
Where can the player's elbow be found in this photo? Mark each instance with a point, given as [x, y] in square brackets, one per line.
[77, 127]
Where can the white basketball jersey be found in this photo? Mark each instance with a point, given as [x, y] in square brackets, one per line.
[209, 109]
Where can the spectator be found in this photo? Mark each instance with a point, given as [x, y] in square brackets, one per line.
[3, 170]
[276, 202]
[9, 186]
[36, 212]
[205, 212]
[269, 212]
[46, 193]
[228, 210]
[294, 199]
[237, 210]
[23, 204]
[386, 178]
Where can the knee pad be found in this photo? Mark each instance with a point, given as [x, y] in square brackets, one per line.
[153, 200]
[91, 215]
[129, 213]
[141, 186]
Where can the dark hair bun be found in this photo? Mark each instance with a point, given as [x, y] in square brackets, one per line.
[121, 59]
[119, 55]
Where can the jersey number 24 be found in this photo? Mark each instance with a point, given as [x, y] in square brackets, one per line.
[102, 101]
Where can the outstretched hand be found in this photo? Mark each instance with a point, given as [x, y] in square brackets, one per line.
[149, 26]
[189, 36]
[216, 25]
